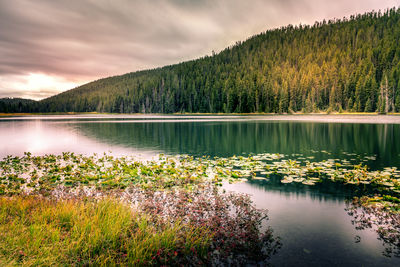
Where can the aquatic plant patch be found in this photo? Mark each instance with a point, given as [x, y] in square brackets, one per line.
[43, 174]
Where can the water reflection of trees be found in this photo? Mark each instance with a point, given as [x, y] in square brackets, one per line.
[381, 218]
[323, 191]
[228, 138]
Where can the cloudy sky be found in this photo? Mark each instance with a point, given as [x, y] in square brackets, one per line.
[49, 46]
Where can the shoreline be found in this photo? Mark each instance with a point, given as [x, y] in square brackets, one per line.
[2, 114]
[356, 118]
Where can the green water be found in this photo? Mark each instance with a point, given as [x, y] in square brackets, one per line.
[314, 227]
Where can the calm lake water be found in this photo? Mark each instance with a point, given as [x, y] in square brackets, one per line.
[311, 220]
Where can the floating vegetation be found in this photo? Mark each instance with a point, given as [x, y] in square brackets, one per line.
[382, 214]
[43, 174]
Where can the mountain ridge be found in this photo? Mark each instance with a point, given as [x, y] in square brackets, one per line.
[350, 63]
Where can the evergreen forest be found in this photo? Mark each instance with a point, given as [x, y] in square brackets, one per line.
[349, 64]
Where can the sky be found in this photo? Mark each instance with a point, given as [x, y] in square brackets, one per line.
[49, 46]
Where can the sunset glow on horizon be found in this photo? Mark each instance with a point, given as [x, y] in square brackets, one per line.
[37, 86]
[47, 47]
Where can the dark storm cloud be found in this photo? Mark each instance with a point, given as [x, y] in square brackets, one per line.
[79, 40]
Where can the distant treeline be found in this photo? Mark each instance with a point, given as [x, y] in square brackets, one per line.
[18, 105]
[348, 64]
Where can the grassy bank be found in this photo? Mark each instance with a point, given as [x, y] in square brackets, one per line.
[175, 228]
[36, 231]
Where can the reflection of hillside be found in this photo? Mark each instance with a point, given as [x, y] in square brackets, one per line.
[323, 191]
[229, 138]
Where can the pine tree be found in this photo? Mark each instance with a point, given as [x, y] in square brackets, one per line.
[368, 106]
[349, 104]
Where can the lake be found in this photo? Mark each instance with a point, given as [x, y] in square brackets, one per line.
[312, 222]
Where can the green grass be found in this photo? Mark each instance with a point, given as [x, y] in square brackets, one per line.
[35, 231]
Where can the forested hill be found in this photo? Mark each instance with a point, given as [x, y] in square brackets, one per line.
[351, 64]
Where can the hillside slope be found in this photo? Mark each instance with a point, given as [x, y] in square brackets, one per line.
[351, 64]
